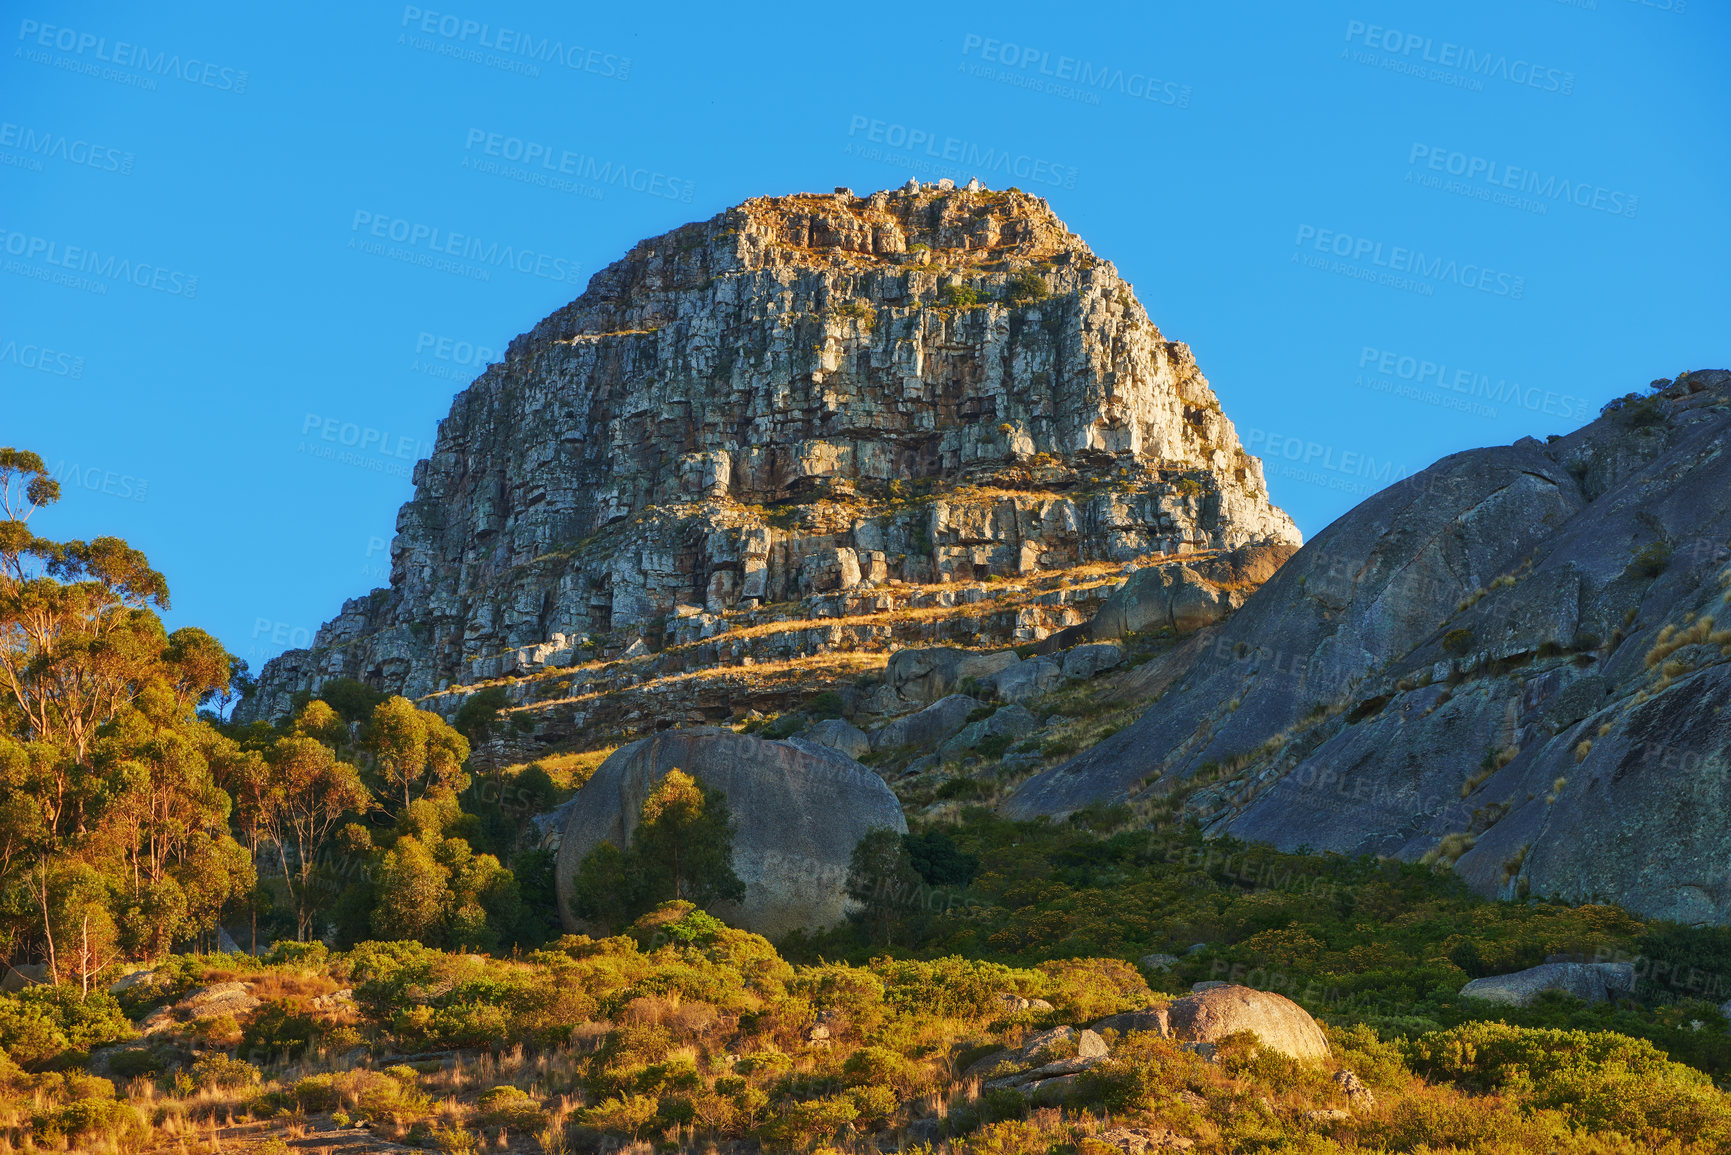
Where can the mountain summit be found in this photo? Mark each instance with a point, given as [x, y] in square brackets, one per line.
[803, 394]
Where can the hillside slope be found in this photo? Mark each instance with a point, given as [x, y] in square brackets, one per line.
[1507, 661]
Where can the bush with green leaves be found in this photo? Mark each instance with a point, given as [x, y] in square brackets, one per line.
[681, 850]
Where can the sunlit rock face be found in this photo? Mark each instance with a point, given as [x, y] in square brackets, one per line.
[803, 394]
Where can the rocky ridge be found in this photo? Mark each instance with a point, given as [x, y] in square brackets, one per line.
[1508, 664]
[843, 402]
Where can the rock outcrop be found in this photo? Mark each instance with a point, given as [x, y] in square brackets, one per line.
[804, 396]
[1589, 982]
[799, 811]
[1508, 662]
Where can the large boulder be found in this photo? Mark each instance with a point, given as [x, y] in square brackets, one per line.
[1094, 658]
[799, 809]
[1591, 982]
[1186, 596]
[1279, 1023]
[927, 674]
[929, 727]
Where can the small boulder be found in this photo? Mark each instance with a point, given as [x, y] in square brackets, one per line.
[839, 734]
[1094, 658]
[1207, 985]
[21, 975]
[1042, 1056]
[335, 1001]
[217, 999]
[1010, 722]
[1130, 1022]
[928, 728]
[1591, 982]
[127, 981]
[1158, 962]
[1357, 1094]
[1278, 1022]
[1141, 1140]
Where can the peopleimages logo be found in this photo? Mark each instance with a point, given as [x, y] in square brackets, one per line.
[122, 54]
[427, 243]
[1469, 63]
[1427, 374]
[460, 32]
[40, 358]
[544, 162]
[79, 260]
[37, 145]
[1070, 77]
[962, 155]
[1399, 260]
[1496, 177]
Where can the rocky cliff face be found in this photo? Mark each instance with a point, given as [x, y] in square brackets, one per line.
[802, 396]
[1508, 663]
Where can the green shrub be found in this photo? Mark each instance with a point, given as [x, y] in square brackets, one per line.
[959, 296]
[1597, 1079]
[314, 1094]
[1027, 286]
[43, 1023]
[1458, 642]
[828, 704]
[277, 1030]
[219, 1071]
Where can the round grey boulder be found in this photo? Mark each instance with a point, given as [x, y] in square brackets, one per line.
[1279, 1023]
[799, 810]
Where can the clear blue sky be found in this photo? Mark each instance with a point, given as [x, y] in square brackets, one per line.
[1388, 230]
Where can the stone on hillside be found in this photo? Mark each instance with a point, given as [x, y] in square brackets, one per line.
[230, 998]
[927, 674]
[131, 979]
[927, 729]
[1357, 1094]
[839, 734]
[227, 998]
[1144, 1140]
[1094, 658]
[1279, 1023]
[1158, 962]
[1045, 1066]
[1591, 982]
[799, 809]
[1010, 722]
[1175, 597]
[21, 975]
[1134, 1022]
[1026, 680]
